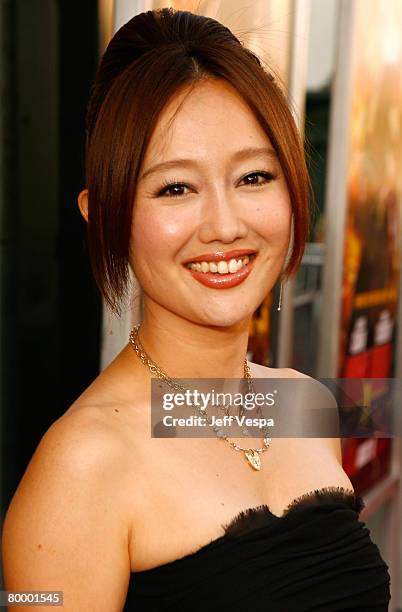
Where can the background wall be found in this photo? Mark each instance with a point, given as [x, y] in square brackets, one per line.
[50, 309]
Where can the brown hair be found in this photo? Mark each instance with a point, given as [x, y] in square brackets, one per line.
[148, 61]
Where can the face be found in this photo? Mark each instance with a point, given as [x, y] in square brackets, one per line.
[210, 188]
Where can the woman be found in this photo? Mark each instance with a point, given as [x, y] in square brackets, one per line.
[193, 157]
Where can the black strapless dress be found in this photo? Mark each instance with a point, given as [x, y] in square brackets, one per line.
[318, 556]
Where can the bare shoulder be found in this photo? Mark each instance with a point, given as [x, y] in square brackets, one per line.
[261, 371]
[265, 372]
[296, 373]
[67, 500]
[333, 443]
[85, 440]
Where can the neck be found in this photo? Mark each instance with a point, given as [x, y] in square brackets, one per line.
[184, 349]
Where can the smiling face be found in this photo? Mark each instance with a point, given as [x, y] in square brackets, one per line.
[210, 183]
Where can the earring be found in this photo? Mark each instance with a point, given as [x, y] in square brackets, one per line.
[280, 294]
[110, 330]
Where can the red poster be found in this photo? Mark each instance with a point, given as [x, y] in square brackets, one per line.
[374, 197]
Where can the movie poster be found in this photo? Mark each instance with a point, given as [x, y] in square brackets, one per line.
[372, 232]
[373, 212]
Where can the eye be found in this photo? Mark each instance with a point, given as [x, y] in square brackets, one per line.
[252, 178]
[175, 189]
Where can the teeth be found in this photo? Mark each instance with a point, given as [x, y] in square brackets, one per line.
[232, 265]
[220, 267]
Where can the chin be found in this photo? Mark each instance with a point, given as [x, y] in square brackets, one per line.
[226, 319]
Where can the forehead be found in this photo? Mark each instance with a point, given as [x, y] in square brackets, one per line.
[210, 117]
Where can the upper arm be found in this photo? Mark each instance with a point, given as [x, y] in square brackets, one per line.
[330, 402]
[64, 529]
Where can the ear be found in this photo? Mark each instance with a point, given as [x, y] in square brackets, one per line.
[83, 203]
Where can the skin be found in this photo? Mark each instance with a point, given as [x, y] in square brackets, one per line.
[96, 469]
[217, 211]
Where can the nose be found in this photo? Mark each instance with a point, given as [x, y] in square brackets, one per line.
[221, 219]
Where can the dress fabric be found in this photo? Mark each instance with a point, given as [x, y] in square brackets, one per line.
[317, 557]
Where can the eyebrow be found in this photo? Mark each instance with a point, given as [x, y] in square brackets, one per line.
[240, 155]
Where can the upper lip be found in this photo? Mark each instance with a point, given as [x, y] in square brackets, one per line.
[221, 255]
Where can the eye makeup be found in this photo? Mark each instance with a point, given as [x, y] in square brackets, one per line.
[169, 184]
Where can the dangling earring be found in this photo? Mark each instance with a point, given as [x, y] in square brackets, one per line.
[110, 329]
[280, 294]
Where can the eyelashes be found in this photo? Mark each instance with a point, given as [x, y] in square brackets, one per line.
[169, 185]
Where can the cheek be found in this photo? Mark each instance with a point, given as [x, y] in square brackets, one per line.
[273, 221]
[156, 234]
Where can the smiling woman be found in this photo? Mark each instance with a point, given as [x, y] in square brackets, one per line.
[152, 70]
[196, 200]
[195, 178]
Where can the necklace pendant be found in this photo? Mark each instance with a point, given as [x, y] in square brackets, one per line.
[253, 458]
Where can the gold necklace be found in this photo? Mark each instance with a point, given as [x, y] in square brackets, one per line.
[252, 455]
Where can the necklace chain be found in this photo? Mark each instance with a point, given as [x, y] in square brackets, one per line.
[250, 454]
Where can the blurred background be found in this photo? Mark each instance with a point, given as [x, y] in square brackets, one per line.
[340, 63]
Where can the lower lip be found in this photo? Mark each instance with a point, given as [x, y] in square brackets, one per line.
[223, 281]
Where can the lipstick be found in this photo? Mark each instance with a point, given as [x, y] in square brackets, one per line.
[215, 280]
[221, 255]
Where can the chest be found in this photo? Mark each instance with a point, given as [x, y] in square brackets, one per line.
[189, 488]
